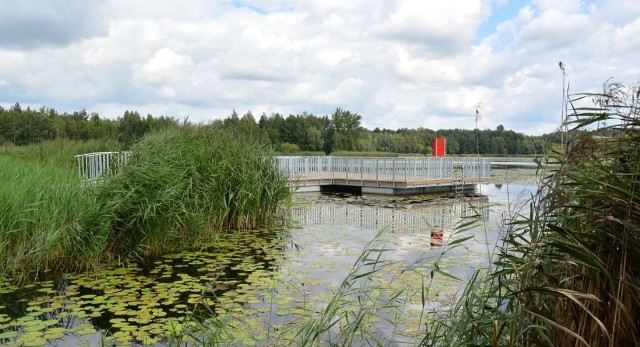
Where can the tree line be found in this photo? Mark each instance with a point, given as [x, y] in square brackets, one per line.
[340, 131]
[20, 126]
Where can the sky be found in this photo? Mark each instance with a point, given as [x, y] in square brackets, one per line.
[398, 63]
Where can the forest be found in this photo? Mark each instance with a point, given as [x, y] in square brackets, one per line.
[294, 134]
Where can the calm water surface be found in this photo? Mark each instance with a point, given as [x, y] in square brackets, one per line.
[263, 286]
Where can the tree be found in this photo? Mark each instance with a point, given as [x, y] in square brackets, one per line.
[347, 126]
[314, 139]
[131, 127]
[498, 145]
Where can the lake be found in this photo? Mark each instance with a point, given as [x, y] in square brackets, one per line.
[389, 264]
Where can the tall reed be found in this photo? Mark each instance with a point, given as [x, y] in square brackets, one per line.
[180, 185]
[568, 273]
[39, 204]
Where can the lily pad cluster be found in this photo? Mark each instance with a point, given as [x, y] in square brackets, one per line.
[136, 304]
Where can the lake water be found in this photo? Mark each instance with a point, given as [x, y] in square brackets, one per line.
[263, 287]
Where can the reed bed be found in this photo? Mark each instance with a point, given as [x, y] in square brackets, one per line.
[40, 203]
[181, 184]
[567, 273]
[180, 187]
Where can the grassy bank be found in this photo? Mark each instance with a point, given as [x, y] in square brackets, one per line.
[179, 187]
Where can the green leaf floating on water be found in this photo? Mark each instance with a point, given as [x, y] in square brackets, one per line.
[84, 329]
[53, 335]
[8, 334]
[35, 342]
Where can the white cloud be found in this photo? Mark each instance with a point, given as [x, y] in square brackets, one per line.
[343, 93]
[29, 24]
[166, 67]
[400, 64]
[445, 28]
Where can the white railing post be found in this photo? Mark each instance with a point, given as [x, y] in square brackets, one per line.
[404, 167]
[393, 172]
[415, 171]
[361, 170]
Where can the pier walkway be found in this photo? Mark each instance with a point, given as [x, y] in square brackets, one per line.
[409, 175]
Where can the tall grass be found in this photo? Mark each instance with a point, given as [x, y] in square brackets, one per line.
[567, 273]
[57, 152]
[39, 204]
[179, 187]
[181, 184]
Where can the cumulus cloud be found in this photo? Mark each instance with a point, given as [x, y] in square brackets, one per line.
[166, 66]
[401, 64]
[28, 24]
[444, 28]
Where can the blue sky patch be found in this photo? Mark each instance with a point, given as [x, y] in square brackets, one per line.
[499, 13]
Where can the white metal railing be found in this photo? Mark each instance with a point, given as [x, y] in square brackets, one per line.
[410, 170]
[95, 167]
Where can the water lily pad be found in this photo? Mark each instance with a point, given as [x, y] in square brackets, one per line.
[84, 329]
[35, 342]
[53, 335]
[8, 334]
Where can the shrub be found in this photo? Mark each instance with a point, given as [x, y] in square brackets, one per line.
[289, 148]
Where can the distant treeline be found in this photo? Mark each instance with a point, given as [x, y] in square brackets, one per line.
[340, 131]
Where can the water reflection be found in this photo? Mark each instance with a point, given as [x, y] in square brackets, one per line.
[334, 230]
[404, 217]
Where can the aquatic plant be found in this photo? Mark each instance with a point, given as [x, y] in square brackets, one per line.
[40, 201]
[567, 273]
[180, 186]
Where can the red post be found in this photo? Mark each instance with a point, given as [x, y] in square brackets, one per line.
[438, 147]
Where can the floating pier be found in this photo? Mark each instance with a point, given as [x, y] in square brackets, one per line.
[360, 175]
[390, 176]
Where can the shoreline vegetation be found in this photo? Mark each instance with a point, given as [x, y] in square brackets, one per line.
[180, 186]
[340, 133]
[564, 273]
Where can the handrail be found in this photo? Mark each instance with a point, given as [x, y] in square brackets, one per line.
[95, 167]
[407, 171]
